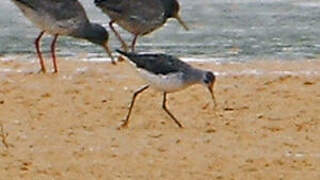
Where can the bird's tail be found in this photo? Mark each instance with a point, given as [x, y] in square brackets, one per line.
[123, 53]
[98, 1]
[131, 57]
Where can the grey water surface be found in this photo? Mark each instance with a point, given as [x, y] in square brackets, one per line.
[220, 30]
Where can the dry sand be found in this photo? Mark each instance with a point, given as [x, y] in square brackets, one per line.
[64, 126]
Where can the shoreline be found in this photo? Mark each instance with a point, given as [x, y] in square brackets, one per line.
[258, 67]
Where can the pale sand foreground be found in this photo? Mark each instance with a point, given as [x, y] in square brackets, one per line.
[65, 126]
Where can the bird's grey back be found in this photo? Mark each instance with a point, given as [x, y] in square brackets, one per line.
[60, 9]
[158, 63]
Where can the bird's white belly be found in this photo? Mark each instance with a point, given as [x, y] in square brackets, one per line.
[166, 83]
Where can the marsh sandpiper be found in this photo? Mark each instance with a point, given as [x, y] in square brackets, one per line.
[167, 74]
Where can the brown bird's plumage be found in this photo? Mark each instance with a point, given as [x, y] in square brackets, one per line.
[139, 17]
[62, 17]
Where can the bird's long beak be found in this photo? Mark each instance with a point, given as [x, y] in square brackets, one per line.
[183, 24]
[210, 88]
[106, 47]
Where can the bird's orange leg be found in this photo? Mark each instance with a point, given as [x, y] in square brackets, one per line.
[53, 53]
[37, 44]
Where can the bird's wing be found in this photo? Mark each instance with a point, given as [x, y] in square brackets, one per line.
[57, 9]
[65, 9]
[137, 10]
[145, 10]
[157, 63]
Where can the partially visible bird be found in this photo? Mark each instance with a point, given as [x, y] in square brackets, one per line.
[139, 17]
[62, 17]
[167, 74]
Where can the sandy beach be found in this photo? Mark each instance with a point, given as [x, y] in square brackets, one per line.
[65, 126]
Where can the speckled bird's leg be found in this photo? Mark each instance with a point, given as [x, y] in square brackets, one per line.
[37, 44]
[53, 53]
[134, 42]
[123, 43]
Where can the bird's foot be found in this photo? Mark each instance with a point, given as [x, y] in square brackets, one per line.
[41, 71]
[123, 125]
[120, 59]
[113, 62]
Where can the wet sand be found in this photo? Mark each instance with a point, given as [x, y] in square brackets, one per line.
[266, 124]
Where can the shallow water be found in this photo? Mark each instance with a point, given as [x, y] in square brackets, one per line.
[221, 30]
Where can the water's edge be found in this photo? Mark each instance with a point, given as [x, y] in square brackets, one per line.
[220, 31]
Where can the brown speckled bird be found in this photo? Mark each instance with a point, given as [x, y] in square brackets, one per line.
[139, 17]
[62, 17]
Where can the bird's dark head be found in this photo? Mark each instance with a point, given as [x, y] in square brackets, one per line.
[172, 8]
[208, 79]
[97, 34]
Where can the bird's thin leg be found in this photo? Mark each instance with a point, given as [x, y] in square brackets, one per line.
[123, 43]
[134, 43]
[168, 112]
[110, 54]
[37, 44]
[125, 124]
[53, 53]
